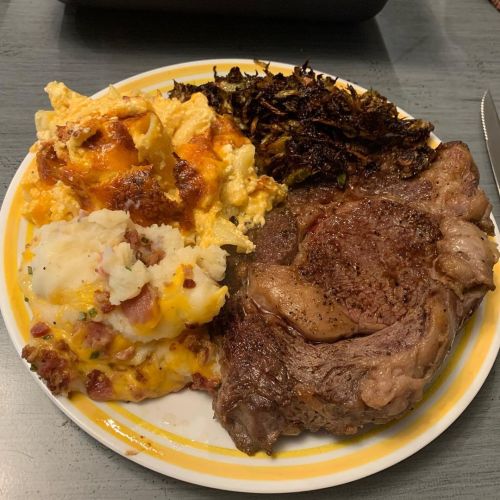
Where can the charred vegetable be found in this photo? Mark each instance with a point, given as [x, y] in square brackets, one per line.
[304, 125]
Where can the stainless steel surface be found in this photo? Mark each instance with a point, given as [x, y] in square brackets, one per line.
[432, 57]
[491, 128]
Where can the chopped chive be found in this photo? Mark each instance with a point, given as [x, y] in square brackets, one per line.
[47, 337]
[341, 179]
[26, 299]
[94, 354]
[128, 268]
[33, 368]
[30, 270]
[92, 312]
[144, 240]
[82, 316]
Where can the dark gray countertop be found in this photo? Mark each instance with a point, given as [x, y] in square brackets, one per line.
[434, 58]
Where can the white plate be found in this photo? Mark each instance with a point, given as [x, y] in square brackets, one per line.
[177, 436]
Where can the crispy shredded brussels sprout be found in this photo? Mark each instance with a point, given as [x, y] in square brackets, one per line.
[306, 126]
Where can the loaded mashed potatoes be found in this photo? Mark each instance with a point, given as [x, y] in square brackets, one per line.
[132, 198]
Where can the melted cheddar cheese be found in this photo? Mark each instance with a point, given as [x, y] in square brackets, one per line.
[146, 339]
[114, 317]
[162, 160]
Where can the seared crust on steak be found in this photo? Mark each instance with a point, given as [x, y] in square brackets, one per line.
[351, 301]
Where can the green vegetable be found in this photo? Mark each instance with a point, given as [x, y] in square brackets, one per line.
[94, 354]
[92, 312]
[297, 176]
[306, 126]
[30, 270]
[341, 179]
[82, 316]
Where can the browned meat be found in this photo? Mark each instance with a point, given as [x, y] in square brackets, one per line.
[99, 386]
[201, 383]
[54, 365]
[448, 188]
[39, 329]
[143, 248]
[97, 335]
[102, 301]
[198, 342]
[141, 308]
[351, 301]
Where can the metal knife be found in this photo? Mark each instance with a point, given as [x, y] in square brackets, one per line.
[491, 127]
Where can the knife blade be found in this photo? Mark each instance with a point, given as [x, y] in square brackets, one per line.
[491, 128]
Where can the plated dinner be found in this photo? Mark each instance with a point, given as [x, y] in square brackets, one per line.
[264, 244]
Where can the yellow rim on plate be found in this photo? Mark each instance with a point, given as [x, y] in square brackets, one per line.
[128, 432]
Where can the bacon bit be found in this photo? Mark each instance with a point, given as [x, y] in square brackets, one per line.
[28, 353]
[194, 342]
[198, 344]
[102, 301]
[131, 236]
[141, 308]
[62, 345]
[39, 329]
[98, 335]
[51, 366]
[143, 248]
[189, 283]
[155, 256]
[131, 453]
[98, 386]
[126, 354]
[201, 383]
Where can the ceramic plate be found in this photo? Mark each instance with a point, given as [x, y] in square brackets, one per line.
[177, 436]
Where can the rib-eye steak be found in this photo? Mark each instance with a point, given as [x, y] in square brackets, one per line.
[351, 301]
